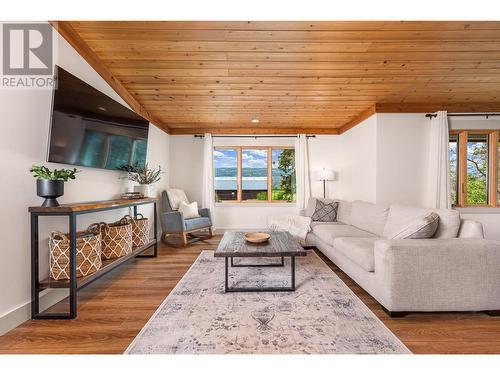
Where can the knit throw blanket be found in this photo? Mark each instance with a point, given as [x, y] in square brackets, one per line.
[297, 226]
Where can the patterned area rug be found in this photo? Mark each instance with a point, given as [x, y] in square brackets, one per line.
[323, 316]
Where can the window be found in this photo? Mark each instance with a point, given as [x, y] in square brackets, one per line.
[474, 168]
[453, 151]
[226, 174]
[254, 174]
[477, 169]
[283, 175]
[498, 174]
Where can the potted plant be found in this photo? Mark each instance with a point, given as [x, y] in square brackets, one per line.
[50, 183]
[144, 177]
[129, 169]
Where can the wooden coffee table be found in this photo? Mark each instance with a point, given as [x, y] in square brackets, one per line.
[280, 245]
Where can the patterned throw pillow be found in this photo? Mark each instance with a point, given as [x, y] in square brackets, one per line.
[325, 212]
[422, 227]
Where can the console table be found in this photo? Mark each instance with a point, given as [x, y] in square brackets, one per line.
[72, 211]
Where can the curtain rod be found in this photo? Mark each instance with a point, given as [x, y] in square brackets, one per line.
[253, 136]
[487, 114]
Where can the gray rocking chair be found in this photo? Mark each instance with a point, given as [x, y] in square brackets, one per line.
[173, 223]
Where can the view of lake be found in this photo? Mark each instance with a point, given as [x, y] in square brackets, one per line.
[253, 178]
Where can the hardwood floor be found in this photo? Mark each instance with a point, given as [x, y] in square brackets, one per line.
[113, 310]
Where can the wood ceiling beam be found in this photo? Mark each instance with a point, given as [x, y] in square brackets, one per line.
[418, 108]
[358, 119]
[289, 25]
[247, 130]
[433, 107]
[73, 38]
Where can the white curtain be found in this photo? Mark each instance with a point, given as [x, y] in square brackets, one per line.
[438, 190]
[302, 171]
[208, 196]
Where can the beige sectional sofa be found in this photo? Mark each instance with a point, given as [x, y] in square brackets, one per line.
[456, 270]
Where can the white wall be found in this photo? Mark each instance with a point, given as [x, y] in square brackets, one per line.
[402, 153]
[24, 115]
[358, 162]
[474, 122]
[325, 152]
[384, 160]
[186, 165]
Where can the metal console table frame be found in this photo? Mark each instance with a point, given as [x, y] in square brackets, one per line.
[72, 211]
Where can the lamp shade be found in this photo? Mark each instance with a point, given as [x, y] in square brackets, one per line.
[324, 175]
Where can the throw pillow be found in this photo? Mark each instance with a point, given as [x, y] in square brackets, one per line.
[325, 211]
[189, 210]
[422, 227]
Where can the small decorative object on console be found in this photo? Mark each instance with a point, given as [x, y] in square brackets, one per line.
[132, 195]
[145, 177]
[257, 237]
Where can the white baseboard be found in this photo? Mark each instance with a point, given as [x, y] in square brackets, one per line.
[22, 313]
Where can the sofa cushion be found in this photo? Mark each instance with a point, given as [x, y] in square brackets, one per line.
[369, 217]
[343, 211]
[449, 220]
[327, 232]
[359, 250]
[421, 227]
[325, 212]
[316, 223]
[449, 223]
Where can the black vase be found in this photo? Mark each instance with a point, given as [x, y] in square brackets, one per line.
[50, 190]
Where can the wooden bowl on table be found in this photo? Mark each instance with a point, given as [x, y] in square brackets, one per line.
[257, 237]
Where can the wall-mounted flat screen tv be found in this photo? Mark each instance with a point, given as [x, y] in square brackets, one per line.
[92, 130]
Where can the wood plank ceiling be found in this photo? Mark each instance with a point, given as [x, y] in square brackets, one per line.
[316, 77]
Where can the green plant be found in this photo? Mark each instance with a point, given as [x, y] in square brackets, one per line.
[286, 164]
[41, 172]
[261, 196]
[144, 175]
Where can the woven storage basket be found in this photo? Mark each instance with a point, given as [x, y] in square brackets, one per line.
[88, 254]
[140, 230]
[116, 238]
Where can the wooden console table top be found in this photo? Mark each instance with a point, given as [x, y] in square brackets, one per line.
[90, 206]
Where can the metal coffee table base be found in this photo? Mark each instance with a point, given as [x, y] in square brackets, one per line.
[227, 288]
